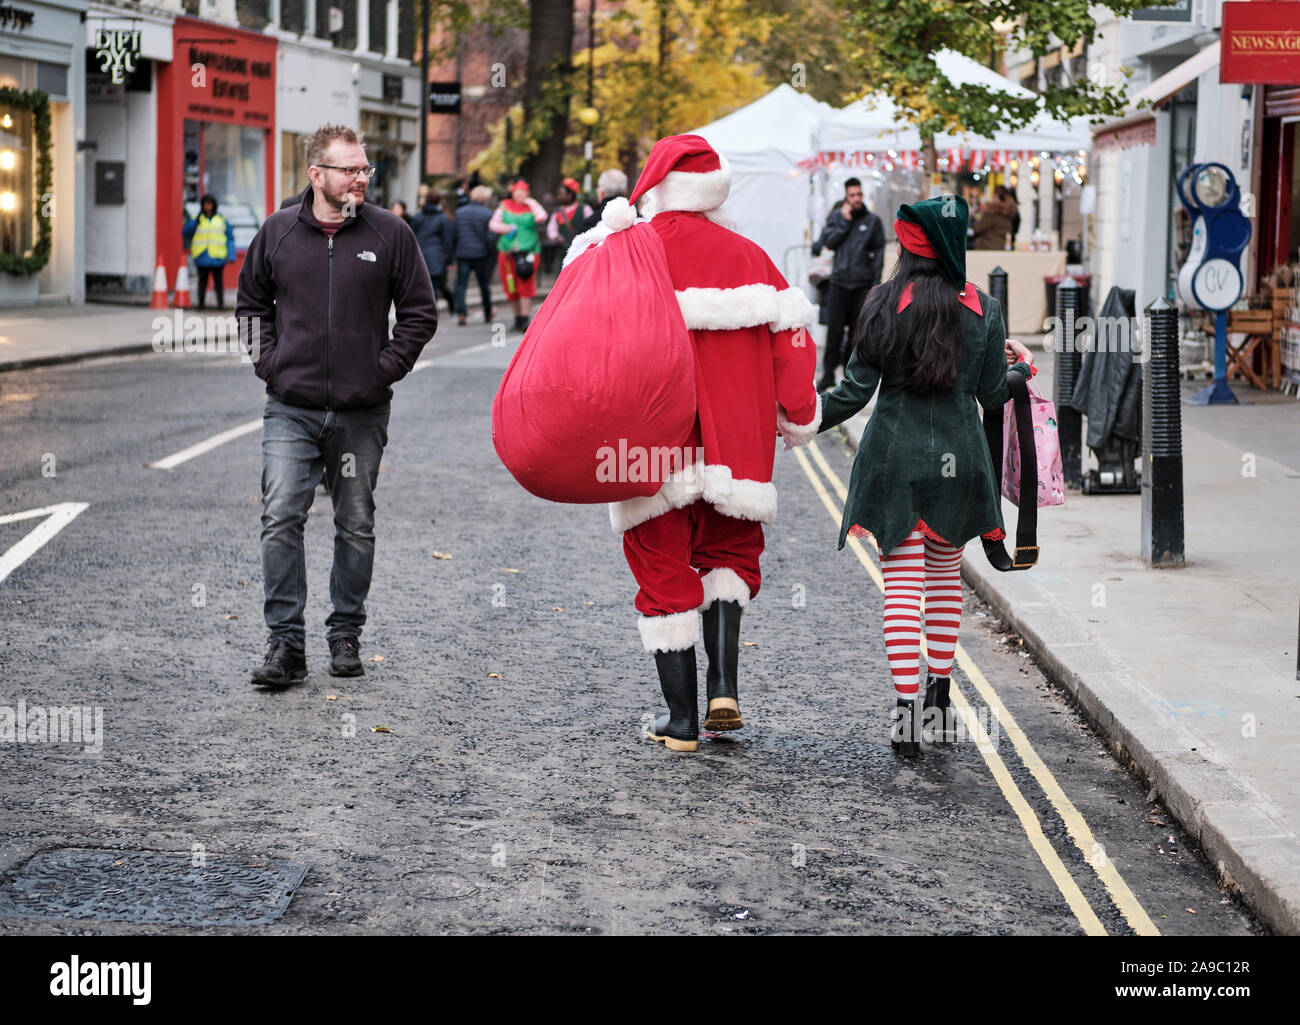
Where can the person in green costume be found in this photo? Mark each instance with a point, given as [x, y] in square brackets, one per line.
[516, 221]
[923, 482]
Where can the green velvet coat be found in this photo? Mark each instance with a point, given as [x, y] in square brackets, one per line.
[924, 455]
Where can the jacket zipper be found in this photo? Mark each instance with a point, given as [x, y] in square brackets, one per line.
[329, 330]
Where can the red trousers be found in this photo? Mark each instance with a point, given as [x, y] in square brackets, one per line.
[670, 553]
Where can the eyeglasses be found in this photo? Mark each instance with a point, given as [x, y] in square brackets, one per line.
[352, 172]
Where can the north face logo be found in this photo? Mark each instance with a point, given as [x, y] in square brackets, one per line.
[366, 254]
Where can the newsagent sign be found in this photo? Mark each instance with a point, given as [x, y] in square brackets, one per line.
[1260, 43]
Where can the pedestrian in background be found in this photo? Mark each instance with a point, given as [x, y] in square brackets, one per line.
[562, 227]
[609, 185]
[992, 228]
[433, 232]
[399, 208]
[211, 241]
[858, 239]
[320, 279]
[518, 245]
[923, 482]
[473, 244]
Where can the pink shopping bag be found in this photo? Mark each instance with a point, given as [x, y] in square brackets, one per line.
[1047, 444]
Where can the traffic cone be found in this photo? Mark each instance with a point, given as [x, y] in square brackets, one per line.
[181, 299]
[158, 301]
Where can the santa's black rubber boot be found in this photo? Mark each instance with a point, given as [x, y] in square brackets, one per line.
[284, 665]
[905, 731]
[939, 724]
[679, 730]
[722, 643]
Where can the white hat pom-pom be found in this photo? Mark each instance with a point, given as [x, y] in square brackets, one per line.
[618, 214]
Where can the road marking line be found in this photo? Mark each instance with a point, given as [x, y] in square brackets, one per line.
[1124, 899]
[1074, 897]
[59, 516]
[186, 454]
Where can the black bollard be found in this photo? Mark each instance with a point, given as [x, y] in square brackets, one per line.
[998, 290]
[1068, 359]
[1162, 439]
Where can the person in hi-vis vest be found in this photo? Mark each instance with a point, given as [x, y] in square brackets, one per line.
[212, 244]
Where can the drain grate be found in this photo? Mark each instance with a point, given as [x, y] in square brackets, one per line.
[152, 887]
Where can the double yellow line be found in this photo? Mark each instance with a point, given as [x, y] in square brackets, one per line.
[1093, 853]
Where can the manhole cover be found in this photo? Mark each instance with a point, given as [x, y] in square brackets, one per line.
[153, 887]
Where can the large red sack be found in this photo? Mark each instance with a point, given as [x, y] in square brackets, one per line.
[604, 375]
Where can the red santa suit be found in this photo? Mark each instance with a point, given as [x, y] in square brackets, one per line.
[698, 540]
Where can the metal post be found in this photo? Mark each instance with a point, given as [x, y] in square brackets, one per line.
[1162, 439]
[1068, 360]
[998, 290]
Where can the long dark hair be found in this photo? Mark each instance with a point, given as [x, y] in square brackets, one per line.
[933, 341]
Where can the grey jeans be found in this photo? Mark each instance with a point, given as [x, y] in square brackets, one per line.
[298, 445]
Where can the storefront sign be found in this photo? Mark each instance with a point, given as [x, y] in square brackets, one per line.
[1180, 11]
[227, 75]
[444, 97]
[117, 51]
[1261, 42]
[15, 17]
[1143, 133]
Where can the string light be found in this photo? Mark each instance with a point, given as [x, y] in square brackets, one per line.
[8, 202]
[7, 160]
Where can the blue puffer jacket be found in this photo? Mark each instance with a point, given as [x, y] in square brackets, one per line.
[472, 238]
[432, 230]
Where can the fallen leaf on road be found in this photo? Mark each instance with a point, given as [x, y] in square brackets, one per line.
[231, 615]
[441, 555]
[494, 676]
[557, 608]
[507, 569]
[1191, 911]
[380, 729]
[1155, 822]
[376, 658]
[331, 697]
[589, 603]
[750, 644]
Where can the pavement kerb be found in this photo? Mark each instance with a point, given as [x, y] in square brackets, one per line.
[140, 348]
[1241, 833]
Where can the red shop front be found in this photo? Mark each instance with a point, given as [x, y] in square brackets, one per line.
[216, 119]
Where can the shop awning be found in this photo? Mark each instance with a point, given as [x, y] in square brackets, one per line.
[1175, 81]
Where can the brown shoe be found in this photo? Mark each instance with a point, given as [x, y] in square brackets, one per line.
[460, 319]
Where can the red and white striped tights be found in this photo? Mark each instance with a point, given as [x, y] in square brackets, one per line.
[920, 565]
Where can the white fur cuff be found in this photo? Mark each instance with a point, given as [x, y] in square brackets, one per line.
[724, 585]
[675, 632]
[798, 434]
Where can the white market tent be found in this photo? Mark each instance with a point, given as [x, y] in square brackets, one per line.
[765, 142]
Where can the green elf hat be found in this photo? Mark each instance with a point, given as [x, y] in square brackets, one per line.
[937, 228]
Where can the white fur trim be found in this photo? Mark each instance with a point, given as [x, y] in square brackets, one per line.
[618, 214]
[742, 499]
[799, 434]
[696, 191]
[675, 632]
[595, 236]
[794, 310]
[728, 309]
[724, 585]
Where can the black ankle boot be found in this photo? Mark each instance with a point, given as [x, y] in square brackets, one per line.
[679, 730]
[905, 733]
[939, 722]
[722, 642]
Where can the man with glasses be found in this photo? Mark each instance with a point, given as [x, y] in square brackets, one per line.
[319, 278]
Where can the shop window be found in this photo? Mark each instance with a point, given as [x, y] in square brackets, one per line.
[254, 14]
[228, 162]
[406, 30]
[17, 182]
[378, 25]
[343, 22]
[52, 79]
[293, 164]
[293, 15]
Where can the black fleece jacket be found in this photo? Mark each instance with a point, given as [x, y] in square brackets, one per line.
[323, 305]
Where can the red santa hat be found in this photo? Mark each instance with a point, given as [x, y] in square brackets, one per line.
[683, 172]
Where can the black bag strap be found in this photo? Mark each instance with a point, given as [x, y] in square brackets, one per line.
[1027, 518]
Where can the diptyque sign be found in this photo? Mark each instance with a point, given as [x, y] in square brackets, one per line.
[1260, 43]
[117, 51]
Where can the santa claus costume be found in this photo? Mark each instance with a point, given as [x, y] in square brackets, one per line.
[694, 546]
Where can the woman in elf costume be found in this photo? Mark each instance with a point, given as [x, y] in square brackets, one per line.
[923, 482]
[516, 221]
